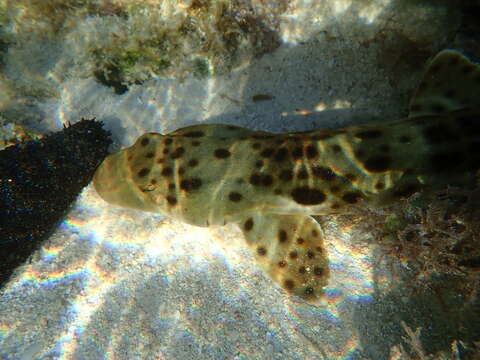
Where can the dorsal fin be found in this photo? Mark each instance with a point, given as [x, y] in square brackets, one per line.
[451, 82]
[290, 249]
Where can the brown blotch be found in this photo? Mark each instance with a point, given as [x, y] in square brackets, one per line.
[282, 263]
[281, 154]
[261, 251]
[310, 254]
[181, 170]
[172, 186]
[351, 197]
[314, 233]
[168, 141]
[194, 134]
[190, 184]
[300, 241]
[302, 269]
[379, 185]
[149, 155]
[267, 152]
[307, 196]
[323, 173]
[256, 146]
[153, 182]
[260, 179]
[454, 60]
[282, 236]
[317, 270]
[297, 153]
[172, 200]
[302, 174]
[311, 152]
[248, 225]
[335, 206]
[267, 180]
[255, 179]
[130, 157]
[144, 141]
[369, 134]
[286, 175]
[166, 151]
[278, 192]
[235, 196]
[221, 153]
[144, 172]
[293, 255]
[160, 160]
[167, 171]
[378, 163]
[289, 284]
[193, 163]
[336, 148]
[177, 153]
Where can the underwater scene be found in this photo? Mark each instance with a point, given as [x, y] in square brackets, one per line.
[244, 179]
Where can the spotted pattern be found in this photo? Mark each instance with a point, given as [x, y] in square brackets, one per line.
[308, 196]
[235, 196]
[268, 183]
[248, 225]
[222, 153]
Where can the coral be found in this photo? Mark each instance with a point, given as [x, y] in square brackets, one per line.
[429, 234]
[414, 349]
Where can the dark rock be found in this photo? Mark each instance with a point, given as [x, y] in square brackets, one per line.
[39, 181]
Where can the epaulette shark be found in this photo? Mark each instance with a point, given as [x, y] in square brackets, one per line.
[269, 184]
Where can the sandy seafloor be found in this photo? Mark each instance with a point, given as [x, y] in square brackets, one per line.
[114, 283]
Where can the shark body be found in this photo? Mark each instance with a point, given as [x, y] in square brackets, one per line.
[270, 184]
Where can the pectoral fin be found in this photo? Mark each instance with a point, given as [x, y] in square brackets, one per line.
[290, 249]
[451, 82]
